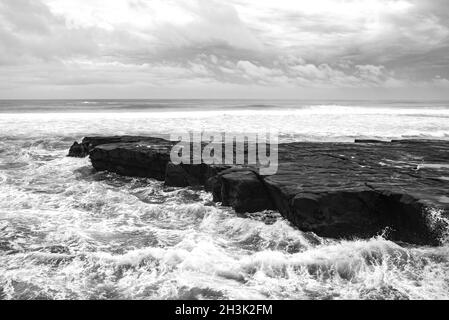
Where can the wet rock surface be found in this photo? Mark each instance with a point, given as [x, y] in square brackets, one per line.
[184, 175]
[137, 159]
[344, 190]
[242, 189]
[338, 190]
[81, 150]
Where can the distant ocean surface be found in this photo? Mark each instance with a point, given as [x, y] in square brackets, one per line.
[67, 232]
[295, 120]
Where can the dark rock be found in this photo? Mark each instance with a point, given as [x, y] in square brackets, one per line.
[242, 190]
[132, 159]
[338, 190]
[176, 176]
[78, 150]
[416, 141]
[362, 213]
[81, 150]
[184, 175]
[369, 141]
[346, 190]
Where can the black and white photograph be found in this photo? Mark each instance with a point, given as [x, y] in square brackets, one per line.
[211, 151]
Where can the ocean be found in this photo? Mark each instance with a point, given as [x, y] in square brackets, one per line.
[68, 232]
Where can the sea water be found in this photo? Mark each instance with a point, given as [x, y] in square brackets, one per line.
[68, 232]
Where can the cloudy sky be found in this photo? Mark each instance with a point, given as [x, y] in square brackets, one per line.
[373, 49]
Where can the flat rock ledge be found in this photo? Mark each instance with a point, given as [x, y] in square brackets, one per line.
[339, 190]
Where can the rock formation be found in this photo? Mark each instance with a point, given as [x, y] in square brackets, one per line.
[338, 190]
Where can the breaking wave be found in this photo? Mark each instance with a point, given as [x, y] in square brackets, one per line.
[295, 121]
[67, 232]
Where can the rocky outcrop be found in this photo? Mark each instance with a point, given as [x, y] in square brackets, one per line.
[185, 175]
[241, 189]
[78, 150]
[345, 190]
[82, 150]
[359, 213]
[338, 190]
[133, 159]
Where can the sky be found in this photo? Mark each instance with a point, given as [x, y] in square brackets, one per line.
[302, 49]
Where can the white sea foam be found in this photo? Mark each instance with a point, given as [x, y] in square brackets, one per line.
[68, 232]
[329, 123]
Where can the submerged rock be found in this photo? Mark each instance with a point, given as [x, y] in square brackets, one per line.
[338, 190]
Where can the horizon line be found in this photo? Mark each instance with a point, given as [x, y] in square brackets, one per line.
[219, 99]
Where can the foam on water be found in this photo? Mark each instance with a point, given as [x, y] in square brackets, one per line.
[317, 123]
[67, 232]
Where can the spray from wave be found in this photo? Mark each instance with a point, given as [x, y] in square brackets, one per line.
[67, 232]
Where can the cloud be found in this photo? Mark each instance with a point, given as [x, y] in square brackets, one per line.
[246, 43]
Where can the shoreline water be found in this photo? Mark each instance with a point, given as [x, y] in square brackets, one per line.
[295, 122]
[70, 232]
